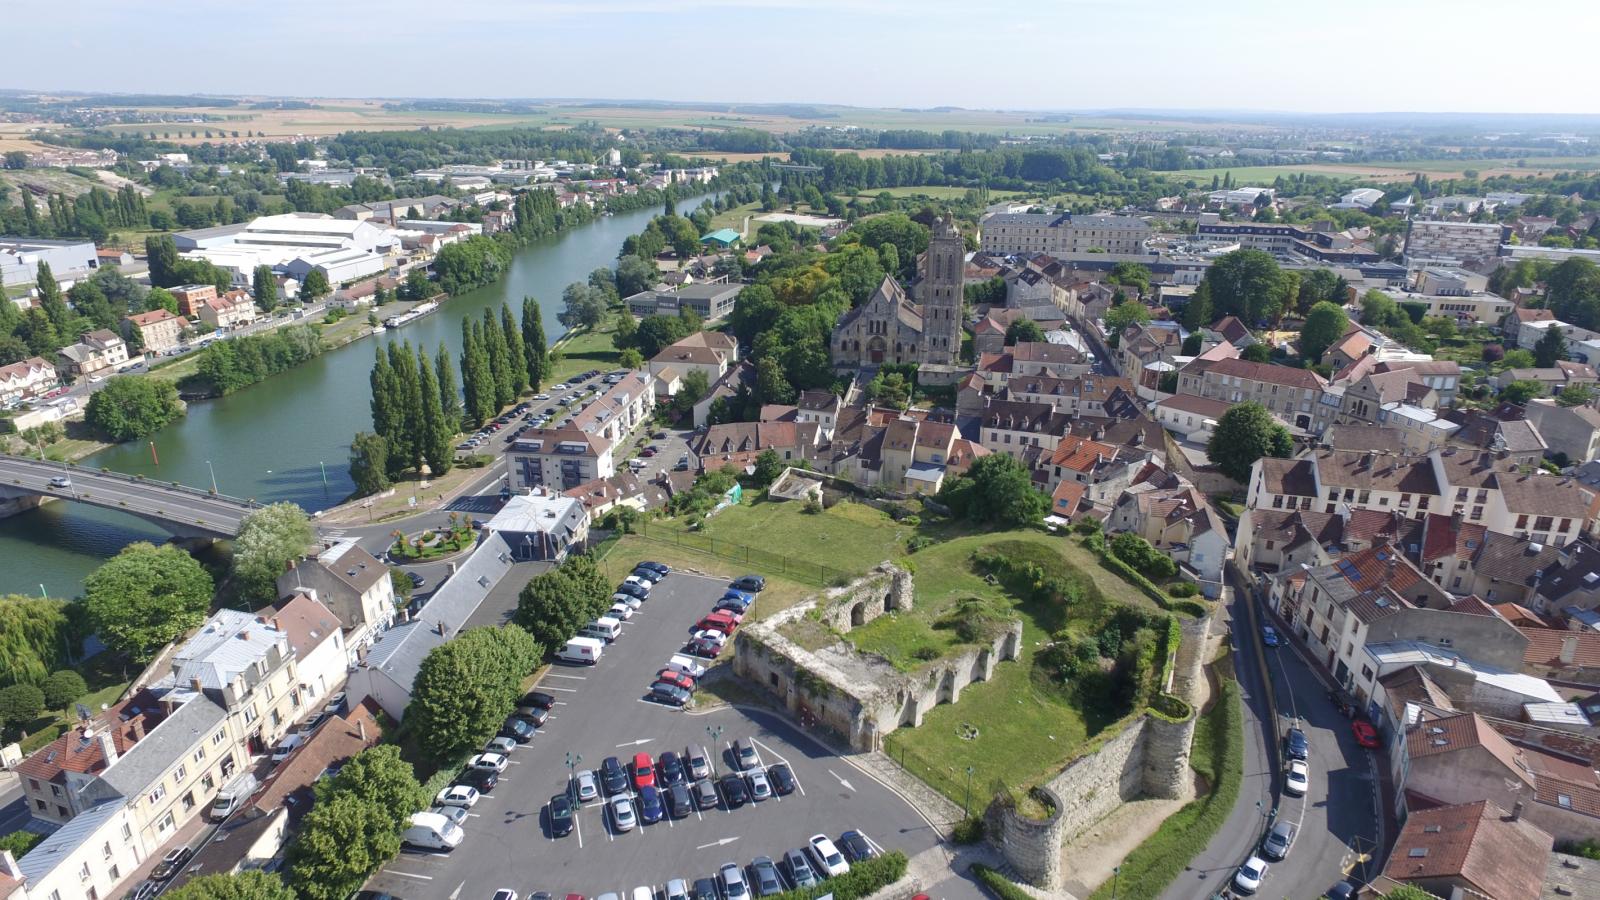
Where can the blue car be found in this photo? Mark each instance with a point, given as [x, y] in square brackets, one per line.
[650, 807]
[740, 597]
[1269, 636]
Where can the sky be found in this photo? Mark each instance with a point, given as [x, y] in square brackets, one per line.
[1282, 55]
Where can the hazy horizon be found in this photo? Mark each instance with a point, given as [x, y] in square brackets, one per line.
[1371, 58]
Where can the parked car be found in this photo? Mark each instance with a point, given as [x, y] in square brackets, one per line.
[675, 889]
[1295, 745]
[734, 791]
[669, 768]
[764, 877]
[856, 847]
[627, 600]
[634, 589]
[704, 889]
[500, 745]
[676, 679]
[705, 649]
[1366, 735]
[760, 787]
[462, 795]
[783, 783]
[659, 568]
[622, 814]
[1248, 879]
[1269, 636]
[537, 698]
[1275, 846]
[711, 636]
[752, 583]
[560, 815]
[620, 611]
[645, 574]
[679, 801]
[172, 863]
[731, 878]
[516, 729]
[493, 762]
[827, 857]
[483, 780]
[1344, 890]
[744, 598]
[721, 620]
[733, 607]
[705, 794]
[533, 715]
[613, 777]
[1297, 780]
[699, 766]
[644, 771]
[745, 755]
[585, 787]
[799, 869]
[651, 808]
[671, 695]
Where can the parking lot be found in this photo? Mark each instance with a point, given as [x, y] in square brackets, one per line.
[602, 711]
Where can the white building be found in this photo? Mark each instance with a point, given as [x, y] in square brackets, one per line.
[293, 244]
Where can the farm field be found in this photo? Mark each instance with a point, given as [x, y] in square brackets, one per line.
[1391, 172]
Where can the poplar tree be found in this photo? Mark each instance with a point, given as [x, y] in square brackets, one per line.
[516, 360]
[385, 409]
[434, 438]
[534, 352]
[449, 397]
[499, 360]
[405, 448]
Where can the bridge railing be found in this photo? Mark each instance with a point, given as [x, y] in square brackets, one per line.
[135, 479]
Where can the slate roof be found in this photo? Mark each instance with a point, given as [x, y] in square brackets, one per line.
[1366, 471]
[164, 746]
[1581, 572]
[227, 646]
[1478, 843]
[58, 847]
[1293, 477]
[1507, 558]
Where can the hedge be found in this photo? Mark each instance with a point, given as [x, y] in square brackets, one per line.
[1096, 543]
[864, 878]
[998, 884]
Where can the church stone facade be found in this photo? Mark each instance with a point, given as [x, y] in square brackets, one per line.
[890, 328]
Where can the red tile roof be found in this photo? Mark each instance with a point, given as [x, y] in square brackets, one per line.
[1476, 843]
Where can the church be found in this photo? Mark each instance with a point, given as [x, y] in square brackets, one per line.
[891, 328]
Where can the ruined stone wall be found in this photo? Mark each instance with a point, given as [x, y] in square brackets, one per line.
[887, 587]
[1032, 846]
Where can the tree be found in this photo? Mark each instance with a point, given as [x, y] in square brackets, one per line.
[405, 436]
[315, 286]
[160, 298]
[477, 378]
[63, 687]
[1131, 274]
[433, 439]
[771, 384]
[1247, 284]
[1124, 314]
[1137, 552]
[265, 287]
[268, 539]
[1551, 348]
[1024, 331]
[583, 306]
[494, 341]
[996, 490]
[1379, 310]
[655, 333]
[534, 351]
[516, 355]
[145, 597]
[1257, 352]
[130, 407]
[466, 687]
[634, 274]
[449, 395]
[555, 604]
[36, 635]
[630, 359]
[1198, 312]
[696, 384]
[1520, 392]
[1575, 395]
[378, 776]
[1325, 324]
[244, 885]
[369, 463]
[20, 705]
[341, 842]
[768, 467]
[1244, 434]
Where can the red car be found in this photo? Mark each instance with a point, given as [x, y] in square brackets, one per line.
[675, 678]
[721, 620]
[644, 771]
[1366, 735]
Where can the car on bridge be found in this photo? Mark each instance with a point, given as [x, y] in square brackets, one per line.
[61, 481]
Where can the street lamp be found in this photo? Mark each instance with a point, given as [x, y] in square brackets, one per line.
[966, 804]
[572, 764]
[715, 733]
[213, 472]
[1115, 872]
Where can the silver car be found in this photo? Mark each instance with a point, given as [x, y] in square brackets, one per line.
[760, 787]
[585, 787]
[622, 814]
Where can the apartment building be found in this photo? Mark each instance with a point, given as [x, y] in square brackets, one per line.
[1290, 393]
[1574, 432]
[354, 586]
[99, 351]
[561, 458]
[28, 378]
[191, 297]
[1058, 233]
[228, 311]
[159, 330]
[1012, 426]
[1452, 243]
[1285, 241]
[710, 352]
[620, 409]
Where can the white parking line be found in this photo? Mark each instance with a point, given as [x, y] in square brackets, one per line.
[577, 823]
[780, 758]
[568, 677]
[562, 690]
[408, 875]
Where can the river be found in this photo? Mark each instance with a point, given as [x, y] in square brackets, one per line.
[272, 441]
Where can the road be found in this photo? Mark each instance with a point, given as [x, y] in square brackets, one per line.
[600, 712]
[1336, 816]
[183, 510]
[13, 809]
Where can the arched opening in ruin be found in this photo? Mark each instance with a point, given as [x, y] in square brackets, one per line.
[947, 687]
[888, 601]
[858, 615]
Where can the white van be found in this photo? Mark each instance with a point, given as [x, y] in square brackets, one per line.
[686, 666]
[233, 796]
[584, 650]
[431, 831]
[605, 628]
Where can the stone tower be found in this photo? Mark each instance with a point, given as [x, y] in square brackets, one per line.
[941, 294]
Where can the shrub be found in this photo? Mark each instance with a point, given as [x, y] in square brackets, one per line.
[926, 654]
[918, 542]
[1183, 589]
[62, 688]
[20, 704]
[968, 831]
[1086, 525]
[863, 879]
[812, 506]
[998, 884]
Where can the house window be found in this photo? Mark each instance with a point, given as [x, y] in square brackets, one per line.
[33, 784]
[1277, 502]
[83, 872]
[105, 850]
[158, 793]
[216, 739]
[1366, 672]
[199, 754]
[127, 831]
[177, 777]
[188, 801]
[1522, 522]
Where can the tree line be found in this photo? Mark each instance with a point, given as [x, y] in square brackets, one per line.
[227, 366]
[91, 215]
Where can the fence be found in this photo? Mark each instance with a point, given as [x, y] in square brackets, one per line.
[756, 559]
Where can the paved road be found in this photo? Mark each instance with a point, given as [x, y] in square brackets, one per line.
[1339, 812]
[601, 712]
[186, 510]
[13, 808]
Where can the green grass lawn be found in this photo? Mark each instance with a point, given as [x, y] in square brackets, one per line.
[936, 191]
[734, 218]
[106, 681]
[581, 352]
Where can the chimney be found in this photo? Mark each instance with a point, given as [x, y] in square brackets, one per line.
[194, 683]
[361, 729]
[1516, 811]
[108, 747]
[1569, 649]
[8, 866]
[439, 628]
[136, 725]
[261, 620]
[275, 625]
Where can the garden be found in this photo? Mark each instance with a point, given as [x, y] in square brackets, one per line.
[458, 535]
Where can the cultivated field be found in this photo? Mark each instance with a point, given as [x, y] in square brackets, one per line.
[1406, 171]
